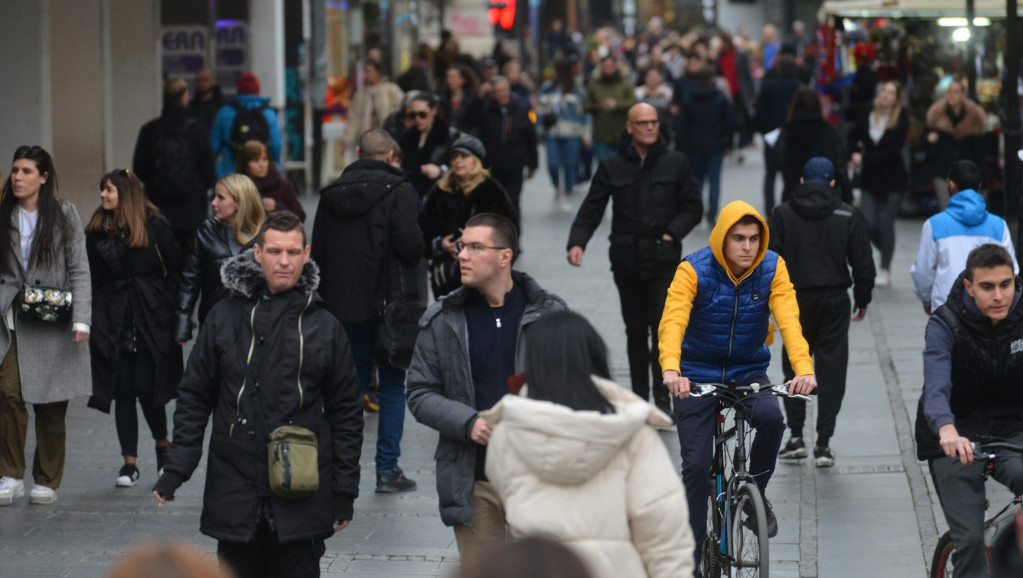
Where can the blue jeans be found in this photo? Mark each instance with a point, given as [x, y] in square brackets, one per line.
[695, 417]
[708, 166]
[563, 157]
[391, 422]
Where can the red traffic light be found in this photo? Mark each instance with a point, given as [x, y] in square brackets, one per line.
[502, 14]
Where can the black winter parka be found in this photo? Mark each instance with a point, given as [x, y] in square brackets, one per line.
[509, 138]
[301, 372]
[370, 209]
[652, 196]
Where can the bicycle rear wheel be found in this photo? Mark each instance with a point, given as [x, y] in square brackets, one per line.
[749, 533]
[941, 564]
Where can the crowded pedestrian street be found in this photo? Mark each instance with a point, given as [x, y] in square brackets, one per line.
[873, 514]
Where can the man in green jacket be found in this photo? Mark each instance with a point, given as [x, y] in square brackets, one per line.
[608, 98]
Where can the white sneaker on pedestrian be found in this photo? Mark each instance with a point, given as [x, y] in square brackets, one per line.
[42, 495]
[10, 489]
[883, 278]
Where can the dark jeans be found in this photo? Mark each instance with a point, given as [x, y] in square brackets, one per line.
[772, 166]
[708, 166]
[563, 158]
[511, 180]
[743, 122]
[585, 164]
[961, 492]
[824, 316]
[695, 418]
[880, 214]
[136, 380]
[642, 305]
[266, 557]
[391, 421]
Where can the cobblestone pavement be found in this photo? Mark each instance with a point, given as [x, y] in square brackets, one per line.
[871, 515]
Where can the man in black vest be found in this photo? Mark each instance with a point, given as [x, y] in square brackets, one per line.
[973, 387]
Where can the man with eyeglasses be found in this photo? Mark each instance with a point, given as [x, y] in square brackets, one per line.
[656, 204]
[470, 343]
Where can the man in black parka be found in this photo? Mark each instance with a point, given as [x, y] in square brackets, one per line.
[656, 204]
[367, 242]
[268, 356]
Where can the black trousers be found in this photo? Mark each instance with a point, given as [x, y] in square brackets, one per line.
[642, 304]
[511, 180]
[772, 166]
[824, 316]
[266, 557]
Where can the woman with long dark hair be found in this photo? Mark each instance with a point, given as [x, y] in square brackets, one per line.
[275, 190]
[574, 457]
[135, 262]
[237, 215]
[458, 97]
[45, 363]
[878, 138]
[805, 135]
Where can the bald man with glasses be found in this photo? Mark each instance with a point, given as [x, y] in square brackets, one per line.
[656, 204]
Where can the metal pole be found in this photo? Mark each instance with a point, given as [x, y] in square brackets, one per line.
[971, 50]
[1012, 123]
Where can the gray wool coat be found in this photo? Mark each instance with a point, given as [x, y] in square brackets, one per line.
[53, 367]
[440, 392]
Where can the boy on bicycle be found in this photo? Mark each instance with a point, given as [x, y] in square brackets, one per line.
[973, 386]
[714, 329]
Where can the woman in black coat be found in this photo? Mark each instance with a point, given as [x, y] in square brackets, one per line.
[135, 262]
[466, 190]
[276, 191]
[878, 139]
[806, 135]
[238, 214]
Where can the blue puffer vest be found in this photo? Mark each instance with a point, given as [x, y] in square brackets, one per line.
[727, 329]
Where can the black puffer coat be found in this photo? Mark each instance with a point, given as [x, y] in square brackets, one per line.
[201, 274]
[301, 371]
[133, 307]
[369, 210]
[651, 198]
[434, 151]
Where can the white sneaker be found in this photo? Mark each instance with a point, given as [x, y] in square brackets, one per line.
[42, 495]
[883, 278]
[10, 489]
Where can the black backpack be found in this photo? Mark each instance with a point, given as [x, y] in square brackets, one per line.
[175, 167]
[249, 124]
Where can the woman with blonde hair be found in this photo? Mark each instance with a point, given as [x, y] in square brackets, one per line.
[275, 190]
[237, 215]
[877, 141]
[135, 262]
[465, 190]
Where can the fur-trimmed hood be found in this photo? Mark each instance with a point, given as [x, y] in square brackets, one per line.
[242, 275]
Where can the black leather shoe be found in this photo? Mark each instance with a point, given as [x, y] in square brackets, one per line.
[394, 483]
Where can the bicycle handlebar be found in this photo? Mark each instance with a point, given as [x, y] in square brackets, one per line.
[723, 389]
[991, 447]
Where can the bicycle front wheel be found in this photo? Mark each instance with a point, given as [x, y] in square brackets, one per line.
[941, 564]
[749, 533]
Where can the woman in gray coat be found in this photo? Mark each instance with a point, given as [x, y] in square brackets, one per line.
[44, 363]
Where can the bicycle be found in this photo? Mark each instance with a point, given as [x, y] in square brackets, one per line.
[941, 563]
[737, 524]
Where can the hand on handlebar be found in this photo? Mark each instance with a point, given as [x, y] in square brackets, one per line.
[954, 445]
[676, 384]
[802, 384]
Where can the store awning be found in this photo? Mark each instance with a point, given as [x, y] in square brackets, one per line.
[918, 8]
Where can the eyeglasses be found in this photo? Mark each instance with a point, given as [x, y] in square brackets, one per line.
[475, 248]
[645, 123]
[412, 115]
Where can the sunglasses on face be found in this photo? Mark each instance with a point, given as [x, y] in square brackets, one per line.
[414, 114]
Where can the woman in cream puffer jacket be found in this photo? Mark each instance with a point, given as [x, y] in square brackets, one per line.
[574, 457]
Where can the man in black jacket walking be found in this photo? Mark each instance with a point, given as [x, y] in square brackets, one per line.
[656, 204]
[505, 129]
[266, 357]
[367, 242]
[174, 160]
[819, 237]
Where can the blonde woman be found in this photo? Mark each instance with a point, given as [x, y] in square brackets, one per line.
[465, 190]
[877, 141]
[237, 215]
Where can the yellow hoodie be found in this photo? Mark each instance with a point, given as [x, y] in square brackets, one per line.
[682, 295]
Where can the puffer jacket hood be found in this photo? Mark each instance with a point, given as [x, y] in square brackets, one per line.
[730, 215]
[363, 184]
[567, 447]
[815, 201]
[968, 207]
[243, 275]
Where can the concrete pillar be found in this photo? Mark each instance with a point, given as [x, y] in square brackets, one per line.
[266, 48]
[25, 66]
[134, 87]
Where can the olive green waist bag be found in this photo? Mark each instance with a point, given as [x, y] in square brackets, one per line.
[294, 462]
